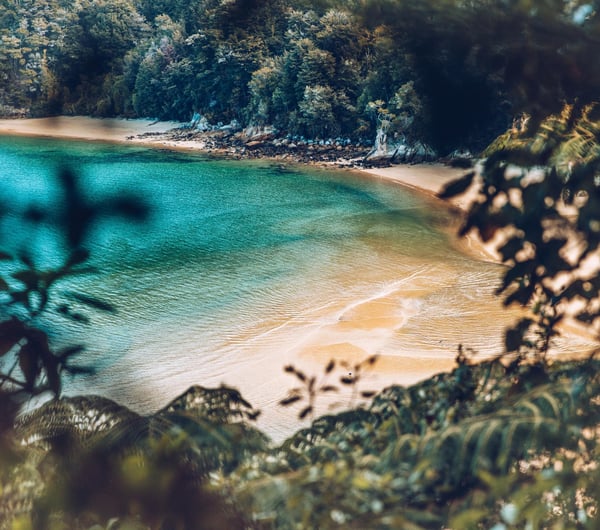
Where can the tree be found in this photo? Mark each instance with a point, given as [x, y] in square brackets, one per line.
[262, 87]
[539, 196]
[93, 48]
[437, 45]
[317, 112]
[535, 205]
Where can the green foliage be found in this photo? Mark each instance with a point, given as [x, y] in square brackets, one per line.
[504, 442]
[540, 197]
[449, 452]
[85, 461]
[453, 71]
[311, 387]
[301, 68]
[100, 460]
[30, 364]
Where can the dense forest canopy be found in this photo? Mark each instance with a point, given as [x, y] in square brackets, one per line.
[440, 72]
[319, 69]
[450, 74]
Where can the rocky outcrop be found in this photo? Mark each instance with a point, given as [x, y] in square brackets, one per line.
[264, 143]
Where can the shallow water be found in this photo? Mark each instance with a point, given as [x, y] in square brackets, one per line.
[244, 267]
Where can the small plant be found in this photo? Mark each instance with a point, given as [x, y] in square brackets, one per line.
[308, 390]
[311, 388]
[355, 372]
[29, 365]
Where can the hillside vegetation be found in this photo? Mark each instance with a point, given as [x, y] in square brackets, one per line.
[315, 69]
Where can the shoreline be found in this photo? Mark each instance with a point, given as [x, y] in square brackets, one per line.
[114, 130]
[344, 336]
[426, 177]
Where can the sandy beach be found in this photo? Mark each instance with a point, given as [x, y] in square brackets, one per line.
[427, 178]
[83, 128]
[350, 333]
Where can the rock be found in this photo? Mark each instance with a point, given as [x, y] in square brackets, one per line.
[203, 125]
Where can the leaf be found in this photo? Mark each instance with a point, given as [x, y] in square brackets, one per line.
[53, 378]
[511, 247]
[26, 259]
[130, 207]
[368, 393]
[373, 359]
[70, 351]
[5, 256]
[423, 517]
[79, 370]
[586, 317]
[515, 273]
[347, 380]
[330, 366]
[513, 338]
[456, 187]
[77, 257]
[93, 302]
[78, 317]
[329, 388]
[289, 400]
[11, 332]
[300, 375]
[469, 518]
[252, 416]
[289, 369]
[304, 412]
[35, 214]
[27, 277]
[522, 296]
[28, 362]
[20, 297]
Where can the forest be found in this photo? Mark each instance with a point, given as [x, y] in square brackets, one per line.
[511, 442]
[315, 69]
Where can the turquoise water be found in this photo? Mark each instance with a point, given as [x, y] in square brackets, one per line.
[237, 263]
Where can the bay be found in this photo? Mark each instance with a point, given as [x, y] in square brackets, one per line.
[244, 267]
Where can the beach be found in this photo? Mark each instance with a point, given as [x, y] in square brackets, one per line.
[83, 128]
[427, 178]
[350, 332]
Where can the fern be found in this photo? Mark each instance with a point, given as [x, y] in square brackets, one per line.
[542, 419]
[569, 138]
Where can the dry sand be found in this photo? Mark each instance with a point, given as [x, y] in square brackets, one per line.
[83, 128]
